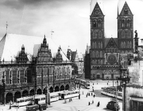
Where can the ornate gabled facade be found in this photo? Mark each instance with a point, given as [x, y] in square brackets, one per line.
[59, 57]
[104, 52]
[23, 77]
[22, 56]
[44, 53]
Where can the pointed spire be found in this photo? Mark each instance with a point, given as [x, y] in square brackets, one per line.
[6, 26]
[44, 40]
[126, 10]
[97, 11]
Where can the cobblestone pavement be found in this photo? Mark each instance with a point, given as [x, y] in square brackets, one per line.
[77, 104]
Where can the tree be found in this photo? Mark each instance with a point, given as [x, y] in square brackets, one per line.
[75, 69]
[134, 76]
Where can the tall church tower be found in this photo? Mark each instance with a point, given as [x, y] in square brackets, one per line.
[96, 41]
[125, 30]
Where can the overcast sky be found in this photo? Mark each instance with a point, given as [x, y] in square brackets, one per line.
[69, 19]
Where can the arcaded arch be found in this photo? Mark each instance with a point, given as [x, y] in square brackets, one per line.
[9, 97]
[67, 87]
[51, 89]
[24, 93]
[39, 91]
[17, 95]
[62, 88]
[56, 88]
[32, 92]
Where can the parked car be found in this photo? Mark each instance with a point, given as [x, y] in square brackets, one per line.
[113, 105]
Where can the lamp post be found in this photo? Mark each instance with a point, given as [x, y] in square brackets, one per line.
[124, 78]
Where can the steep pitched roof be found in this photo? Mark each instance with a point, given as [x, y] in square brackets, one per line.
[126, 10]
[11, 44]
[97, 11]
[112, 43]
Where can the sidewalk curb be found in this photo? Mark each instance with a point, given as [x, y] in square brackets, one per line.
[111, 95]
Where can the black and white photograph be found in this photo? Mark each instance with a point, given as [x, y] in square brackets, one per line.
[71, 55]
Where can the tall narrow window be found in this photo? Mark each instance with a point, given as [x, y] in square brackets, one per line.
[101, 54]
[99, 45]
[100, 34]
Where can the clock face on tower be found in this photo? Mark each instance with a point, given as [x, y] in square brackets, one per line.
[112, 59]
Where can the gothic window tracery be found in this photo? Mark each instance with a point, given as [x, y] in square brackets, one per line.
[123, 23]
[99, 45]
[100, 34]
[100, 53]
[97, 54]
[123, 34]
[94, 44]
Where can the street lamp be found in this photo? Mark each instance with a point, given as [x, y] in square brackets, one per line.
[124, 78]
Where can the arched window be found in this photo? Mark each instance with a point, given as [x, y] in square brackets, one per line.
[95, 61]
[100, 34]
[124, 44]
[123, 23]
[99, 45]
[97, 54]
[95, 33]
[128, 22]
[122, 34]
[100, 53]
[99, 23]
[93, 54]
[128, 34]
[94, 44]
[130, 44]
[121, 45]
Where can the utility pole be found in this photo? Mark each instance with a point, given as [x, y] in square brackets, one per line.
[125, 79]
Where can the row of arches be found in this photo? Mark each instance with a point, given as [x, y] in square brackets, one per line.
[97, 54]
[95, 45]
[12, 97]
[127, 44]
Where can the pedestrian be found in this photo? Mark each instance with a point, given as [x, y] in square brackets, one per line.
[98, 104]
[92, 101]
[10, 103]
[88, 103]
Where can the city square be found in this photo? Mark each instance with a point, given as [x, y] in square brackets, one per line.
[71, 55]
[77, 104]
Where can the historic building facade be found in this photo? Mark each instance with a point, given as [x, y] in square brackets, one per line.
[22, 77]
[105, 52]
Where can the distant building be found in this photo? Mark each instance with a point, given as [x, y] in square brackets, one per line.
[105, 52]
[27, 71]
[87, 69]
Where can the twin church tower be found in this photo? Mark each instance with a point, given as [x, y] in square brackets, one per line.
[104, 52]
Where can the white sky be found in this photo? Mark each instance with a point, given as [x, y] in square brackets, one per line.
[69, 19]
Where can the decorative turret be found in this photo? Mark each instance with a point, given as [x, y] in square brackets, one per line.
[59, 56]
[22, 56]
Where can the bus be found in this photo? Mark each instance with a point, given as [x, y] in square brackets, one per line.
[70, 94]
[24, 101]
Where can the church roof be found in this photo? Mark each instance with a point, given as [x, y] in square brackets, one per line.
[11, 44]
[107, 40]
